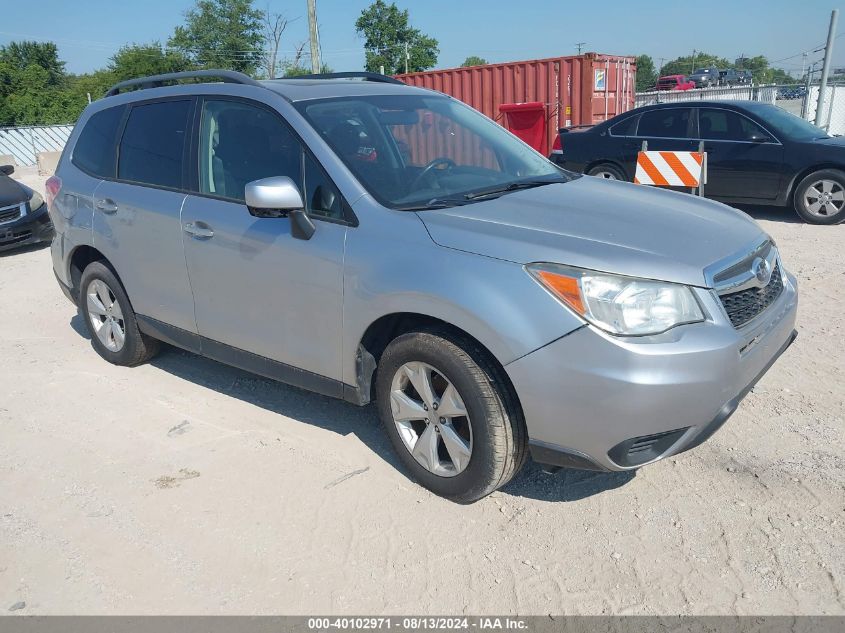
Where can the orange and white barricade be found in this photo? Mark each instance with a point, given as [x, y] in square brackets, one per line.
[671, 169]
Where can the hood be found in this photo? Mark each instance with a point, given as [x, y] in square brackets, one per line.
[833, 141]
[11, 192]
[602, 225]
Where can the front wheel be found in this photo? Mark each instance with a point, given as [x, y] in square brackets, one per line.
[450, 415]
[606, 171]
[820, 197]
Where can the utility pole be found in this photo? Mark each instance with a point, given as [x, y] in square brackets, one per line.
[803, 62]
[828, 52]
[407, 57]
[579, 45]
[314, 36]
[660, 69]
[692, 65]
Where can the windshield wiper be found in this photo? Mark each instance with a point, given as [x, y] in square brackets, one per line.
[514, 186]
[435, 203]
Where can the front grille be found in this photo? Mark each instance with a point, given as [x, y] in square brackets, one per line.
[9, 214]
[746, 304]
[14, 238]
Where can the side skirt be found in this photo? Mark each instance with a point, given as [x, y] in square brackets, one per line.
[247, 361]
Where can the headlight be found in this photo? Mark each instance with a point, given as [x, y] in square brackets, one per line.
[35, 201]
[620, 305]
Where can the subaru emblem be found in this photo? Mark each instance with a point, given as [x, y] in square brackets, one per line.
[761, 270]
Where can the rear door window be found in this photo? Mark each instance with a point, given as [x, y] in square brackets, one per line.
[153, 145]
[665, 123]
[96, 149]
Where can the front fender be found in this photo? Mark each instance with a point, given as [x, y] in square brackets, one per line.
[493, 300]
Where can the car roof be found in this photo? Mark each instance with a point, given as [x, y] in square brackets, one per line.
[730, 103]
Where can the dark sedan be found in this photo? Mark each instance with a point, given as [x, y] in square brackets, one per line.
[757, 153]
[23, 214]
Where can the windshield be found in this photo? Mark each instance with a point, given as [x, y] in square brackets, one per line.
[701, 71]
[413, 151]
[788, 124]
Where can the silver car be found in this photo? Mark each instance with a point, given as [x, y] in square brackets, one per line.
[380, 243]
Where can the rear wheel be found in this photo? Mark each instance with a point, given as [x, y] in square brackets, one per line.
[606, 171]
[450, 415]
[104, 306]
[820, 197]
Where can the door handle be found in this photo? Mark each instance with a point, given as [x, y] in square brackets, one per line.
[107, 205]
[199, 232]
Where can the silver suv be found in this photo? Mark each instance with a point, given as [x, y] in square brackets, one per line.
[376, 242]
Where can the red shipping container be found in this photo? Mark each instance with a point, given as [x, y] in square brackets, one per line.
[576, 90]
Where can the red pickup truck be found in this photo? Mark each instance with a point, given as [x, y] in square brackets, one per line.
[675, 82]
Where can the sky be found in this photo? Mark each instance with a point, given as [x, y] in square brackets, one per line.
[88, 32]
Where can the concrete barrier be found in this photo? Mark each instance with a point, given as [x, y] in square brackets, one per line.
[7, 159]
[47, 162]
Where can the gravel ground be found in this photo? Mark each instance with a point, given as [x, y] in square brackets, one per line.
[185, 487]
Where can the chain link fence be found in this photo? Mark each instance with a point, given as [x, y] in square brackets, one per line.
[24, 144]
[833, 108]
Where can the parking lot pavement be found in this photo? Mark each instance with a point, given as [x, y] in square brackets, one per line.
[184, 486]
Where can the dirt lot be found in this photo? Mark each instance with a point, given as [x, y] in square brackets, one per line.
[185, 486]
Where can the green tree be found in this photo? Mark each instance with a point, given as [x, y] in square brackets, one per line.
[45, 55]
[762, 73]
[474, 60]
[222, 34]
[142, 60]
[387, 34]
[299, 71]
[646, 74]
[686, 65]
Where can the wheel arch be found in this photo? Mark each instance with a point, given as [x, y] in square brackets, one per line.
[79, 259]
[388, 327]
[801, 175]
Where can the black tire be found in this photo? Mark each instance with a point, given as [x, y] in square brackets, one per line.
[137, 347]
[499, 437]
[606, 170]
[800, 202]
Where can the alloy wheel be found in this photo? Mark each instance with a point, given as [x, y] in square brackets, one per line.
[105, 315]
[824, 198]
[431, 418]
[605, 174]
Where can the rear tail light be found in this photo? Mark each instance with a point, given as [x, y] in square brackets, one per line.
[53, 185]
[557, 146]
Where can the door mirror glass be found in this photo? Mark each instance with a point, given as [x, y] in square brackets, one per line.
[7, 169]
[273, 197]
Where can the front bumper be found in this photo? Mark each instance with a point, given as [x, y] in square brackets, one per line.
[30, 228]
[600, 402]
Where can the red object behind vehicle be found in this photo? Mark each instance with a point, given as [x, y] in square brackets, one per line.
[52, 186]
[675, 82]
[528, 122]
[578, 90]
[557, 146]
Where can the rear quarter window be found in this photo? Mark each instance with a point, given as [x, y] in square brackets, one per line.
[96, 148]
[627, 127]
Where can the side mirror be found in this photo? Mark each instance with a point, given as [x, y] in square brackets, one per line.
[279, 197]
[7, 169]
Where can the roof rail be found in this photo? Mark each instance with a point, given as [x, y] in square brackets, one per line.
[155, 81]
[366, 76]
